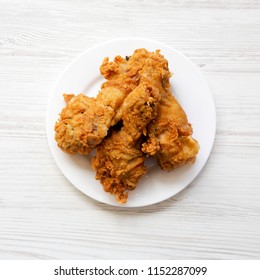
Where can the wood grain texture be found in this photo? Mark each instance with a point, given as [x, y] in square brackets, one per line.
[42, 216]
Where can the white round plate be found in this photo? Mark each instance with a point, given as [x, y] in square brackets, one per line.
[188, 86]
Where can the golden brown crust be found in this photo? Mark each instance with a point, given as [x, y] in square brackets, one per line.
[119, 163]
[169, 135]
[84, 122]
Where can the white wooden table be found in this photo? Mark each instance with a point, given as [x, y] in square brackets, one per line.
[42, 216]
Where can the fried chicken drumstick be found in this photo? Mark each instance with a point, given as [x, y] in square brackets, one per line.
[169, 135]
[119, 163]
[85, 121]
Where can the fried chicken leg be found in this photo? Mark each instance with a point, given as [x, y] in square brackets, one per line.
[85, 121]
[119, 163]
[169, 135]
[146, 67]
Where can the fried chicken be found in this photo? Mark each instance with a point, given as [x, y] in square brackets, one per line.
[119, 162]
[133, 116]
[148, 67]
[85, 121]
[169, 135]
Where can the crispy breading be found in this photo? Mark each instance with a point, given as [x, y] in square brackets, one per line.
[119, 164]
[169, 135]
[148, 67]
[85, 121]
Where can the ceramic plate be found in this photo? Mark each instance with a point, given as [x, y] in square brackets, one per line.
[188, 86]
